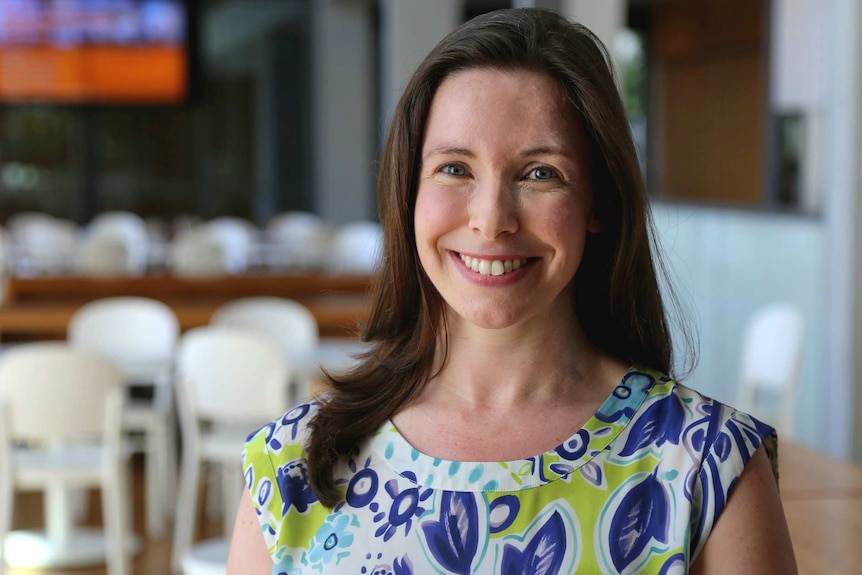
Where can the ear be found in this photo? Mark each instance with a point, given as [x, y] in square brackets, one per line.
[595, 225]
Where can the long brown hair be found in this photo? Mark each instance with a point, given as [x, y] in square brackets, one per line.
[618, 300]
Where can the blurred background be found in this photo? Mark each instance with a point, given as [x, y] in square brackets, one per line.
[746, 115]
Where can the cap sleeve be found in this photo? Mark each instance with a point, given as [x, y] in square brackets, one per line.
[727, 451]
[261, 482]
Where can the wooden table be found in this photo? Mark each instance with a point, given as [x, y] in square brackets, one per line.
[822, 499]
[40, 308]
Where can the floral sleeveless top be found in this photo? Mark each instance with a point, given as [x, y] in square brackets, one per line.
[636, 490]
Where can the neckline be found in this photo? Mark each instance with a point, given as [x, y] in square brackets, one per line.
[599, 431]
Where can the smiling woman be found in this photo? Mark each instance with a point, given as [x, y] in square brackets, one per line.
[511, 187]
[515, 413]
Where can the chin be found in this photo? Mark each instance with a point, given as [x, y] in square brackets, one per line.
[487, 318]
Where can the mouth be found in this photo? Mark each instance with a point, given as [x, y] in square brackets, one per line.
[492, 267]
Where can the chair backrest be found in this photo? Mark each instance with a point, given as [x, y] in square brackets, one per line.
[231, 375]
[127, 330]
[238, 238]
[56, 394]
[44, 244]
[104, 256]
[356, 247]
[298, 240]
[286, 322]
[126, 227]
[771, 361]
[295, 226]
[19, 224]
[772, 346]
[194, 254]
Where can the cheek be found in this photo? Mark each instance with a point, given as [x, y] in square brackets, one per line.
[437, 212]
[564, 223]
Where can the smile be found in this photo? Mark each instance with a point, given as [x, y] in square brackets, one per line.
[491, 267]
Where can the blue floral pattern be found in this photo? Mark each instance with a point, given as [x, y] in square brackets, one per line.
[636, 490]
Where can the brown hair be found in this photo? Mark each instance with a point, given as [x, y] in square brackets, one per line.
[618, 300]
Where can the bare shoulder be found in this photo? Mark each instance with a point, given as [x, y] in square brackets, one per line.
[248, 552]
[751, 534]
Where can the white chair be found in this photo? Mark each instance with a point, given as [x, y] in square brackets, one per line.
[770, 365]
[104, 256]
[60, 429]
[127, 228]
[296, 240]
[139, 336]
[194, 254]
[229, 381]
[356, 248]
[43, 244]
[288, 324]
[238, 237]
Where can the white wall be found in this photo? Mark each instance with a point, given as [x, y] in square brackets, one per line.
[409, 30]
[724, 265]
[343, 110]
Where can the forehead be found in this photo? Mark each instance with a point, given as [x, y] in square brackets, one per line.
[502, 104]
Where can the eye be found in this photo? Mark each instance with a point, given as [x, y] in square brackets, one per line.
[456, 170]
[542, 173]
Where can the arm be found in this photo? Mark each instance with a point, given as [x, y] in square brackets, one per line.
[248, 552]
[750, 535]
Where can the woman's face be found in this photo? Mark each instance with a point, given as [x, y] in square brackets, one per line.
[505, 197]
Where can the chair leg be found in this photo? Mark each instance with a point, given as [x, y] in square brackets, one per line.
[170, 470]
[232, 485]
[115, 501]
[154, 477]
[7, 500]
[186, 510]
[213, 504]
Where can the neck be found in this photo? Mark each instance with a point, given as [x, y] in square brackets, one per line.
[546, 362]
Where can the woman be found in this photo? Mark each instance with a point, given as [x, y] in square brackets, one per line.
[514, 415]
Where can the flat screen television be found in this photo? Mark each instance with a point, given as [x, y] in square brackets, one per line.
[102, 52]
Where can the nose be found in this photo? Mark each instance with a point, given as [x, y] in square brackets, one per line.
[494, 209]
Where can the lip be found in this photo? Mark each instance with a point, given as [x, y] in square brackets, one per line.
[489, 280]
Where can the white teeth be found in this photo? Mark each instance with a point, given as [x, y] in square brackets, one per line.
[492, 267]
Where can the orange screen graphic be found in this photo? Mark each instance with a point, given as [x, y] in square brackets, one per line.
[93, 74]
[93, 51]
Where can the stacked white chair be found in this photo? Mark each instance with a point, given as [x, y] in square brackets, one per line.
[139, 335]
[230, 381]
[296, 240]
[238, 238]
[126, 228]
[64, 406]
[285, 322]
[196, 254]
[356, 248]
[103, 256]
[771, 363]
[44, 245]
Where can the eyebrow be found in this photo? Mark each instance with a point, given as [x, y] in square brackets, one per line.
[456, 151]
[543, 151]
[449, 151]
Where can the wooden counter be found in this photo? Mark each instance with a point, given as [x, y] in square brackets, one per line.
[40, 308]
[822, 498]
[159, 286]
